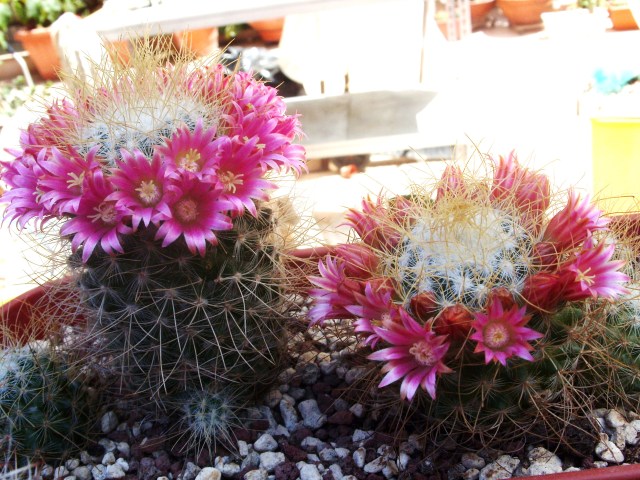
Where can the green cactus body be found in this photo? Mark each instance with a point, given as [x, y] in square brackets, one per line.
[173, 321]
[46, 411]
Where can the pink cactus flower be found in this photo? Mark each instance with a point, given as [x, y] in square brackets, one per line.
[334, 293]
[451, 183]
[502, 334]
[238, 174]
[140, 185]
[23, 198]
[574, 223]
[97, 220]
[192, 152]
[193, 210]
[374, 308]
[63, 179]
[359, 260]
[544, 291]
[527, 191]
[416, 356]
[593, 274]
[371, 225]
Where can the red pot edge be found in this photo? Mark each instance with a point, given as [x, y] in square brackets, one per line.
[618, 472]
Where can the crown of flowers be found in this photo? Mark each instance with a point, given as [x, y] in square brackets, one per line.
[170, 148]
[464, 268]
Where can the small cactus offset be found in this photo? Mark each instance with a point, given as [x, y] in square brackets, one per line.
[45, 410]
[160, 177]
[497, 308]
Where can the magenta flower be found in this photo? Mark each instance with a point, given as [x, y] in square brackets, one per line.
[360, 261]
[502, 334]
[140, 185]
[574, 223]
[238, 174]
[593, 274]
[527, 191]
[23, 198]
[334, 293]
[544, 290]
[416, 355]
[63, 179]
[192, 152]
[193, 210]
[97, 220]
[372, 225]
[374, 308]
[451, 183]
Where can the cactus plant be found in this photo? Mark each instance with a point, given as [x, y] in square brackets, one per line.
[498, 309]
[45, 410]
[160, 178]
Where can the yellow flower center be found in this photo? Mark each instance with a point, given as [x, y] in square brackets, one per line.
[190, 160]
[76, 180]
[186, 210]
[230, 180]
[422, 353]
[105, 212]
[496, 335]
[148, 192]
[584, 277]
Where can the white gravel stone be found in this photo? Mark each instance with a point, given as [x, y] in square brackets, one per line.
[243, 448]
[272, 399]
[258, 474]
[328, 455]
[614, 419]
[342, 452]
[354, 374]
[69, 477]
[361, 435]
[72, 464]
[311, 415]
[123, 449]
[502, 468]
[403, 461]
[270, 460]
[309, 472]
[472, 460]
[251, 461]
[108, 459]
[608, 451]
[108, 445]
[350, 477]
[313, 458]
[390, 470]
[359, 456]
[114, 471]
[265, 443]
[229, 469]
[336, 471]
[109, 422]
[60, 472]
[358, 410]
[471, 474]
[313, 443]
[124, 465]
[189, 472]
[98, 472]
[209, 473]
[376, 465]
[289, 414]
[82, 473]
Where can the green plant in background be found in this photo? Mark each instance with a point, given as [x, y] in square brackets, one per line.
[498, 309]
[45, 411]
[158, 178]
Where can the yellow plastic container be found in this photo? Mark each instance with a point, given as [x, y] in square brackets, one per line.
[616, 162]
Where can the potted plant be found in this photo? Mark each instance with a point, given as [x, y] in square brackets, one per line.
[621, 15]
[524, 14]
[32, 19]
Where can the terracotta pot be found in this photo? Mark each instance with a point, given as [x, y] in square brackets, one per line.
[524, 12]
[39, 43]
[270, 30]
[31, 316]
[622, 472]
[479, 11]
[200, 42]
[622, 18]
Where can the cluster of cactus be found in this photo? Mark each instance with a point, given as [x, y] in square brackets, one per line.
[46, 410]
[497, 309]
[159, 178]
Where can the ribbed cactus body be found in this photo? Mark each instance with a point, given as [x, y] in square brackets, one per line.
[172, 320]
[45, 411]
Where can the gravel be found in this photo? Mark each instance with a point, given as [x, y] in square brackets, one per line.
[307, 429]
